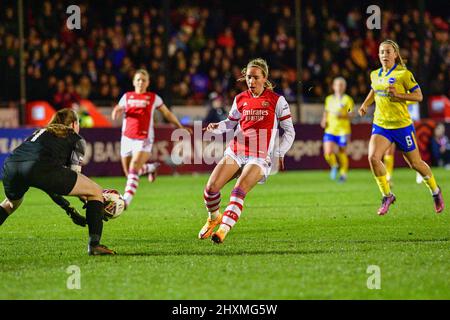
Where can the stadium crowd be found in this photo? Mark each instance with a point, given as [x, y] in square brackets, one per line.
[208, 46]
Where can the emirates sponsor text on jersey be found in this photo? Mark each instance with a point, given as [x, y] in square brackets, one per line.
[255, 114]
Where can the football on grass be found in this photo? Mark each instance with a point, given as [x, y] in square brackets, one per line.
[113, 202]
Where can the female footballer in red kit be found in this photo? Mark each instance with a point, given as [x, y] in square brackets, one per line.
[138, 108]
[254, 117]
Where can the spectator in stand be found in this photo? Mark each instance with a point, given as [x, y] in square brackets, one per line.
[440, 147]
[124, 37]
[216, 109]
[36, 87]
[226, 39]
[59, 98]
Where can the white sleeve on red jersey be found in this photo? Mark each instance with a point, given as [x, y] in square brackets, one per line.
[282, 109]
[283, 114]
[234, 114]
[233, 118]
[158, 102]
[123, 101]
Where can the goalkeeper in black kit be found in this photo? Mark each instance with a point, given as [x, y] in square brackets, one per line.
[50, 160]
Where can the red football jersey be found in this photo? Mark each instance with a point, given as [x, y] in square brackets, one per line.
[138, 114]
[258, 122]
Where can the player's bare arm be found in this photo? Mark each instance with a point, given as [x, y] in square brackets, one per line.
[117, 112]
[169, 116]
[323, 122]
[413, 96]
[369, 100]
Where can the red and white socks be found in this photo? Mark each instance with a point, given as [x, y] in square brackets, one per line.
[234, 208]
[131, 187]
[212, 203]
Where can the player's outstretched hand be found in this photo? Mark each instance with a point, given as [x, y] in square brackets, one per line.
[362, 110]
[212, 126]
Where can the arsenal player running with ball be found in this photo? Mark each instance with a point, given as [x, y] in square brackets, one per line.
[254, 117]
[137, 131]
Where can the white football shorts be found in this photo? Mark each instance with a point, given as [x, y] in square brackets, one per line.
[242, 160]
[129, 146]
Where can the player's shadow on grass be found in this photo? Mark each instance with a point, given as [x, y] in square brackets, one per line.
[396, 240]
[227, 253]
[309, 205]
[281, 252]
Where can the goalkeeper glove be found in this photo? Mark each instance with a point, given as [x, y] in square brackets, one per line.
[76, 217]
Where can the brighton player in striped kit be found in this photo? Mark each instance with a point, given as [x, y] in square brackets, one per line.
[254, 117]
[392, 86]
[138, 108]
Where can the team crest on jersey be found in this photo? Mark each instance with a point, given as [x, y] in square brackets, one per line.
[391, 80]
[265, 104]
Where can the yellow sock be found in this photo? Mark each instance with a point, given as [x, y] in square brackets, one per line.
[331, 159]
[431, 184]
[389, 164]
[383, 185]
[343, 163]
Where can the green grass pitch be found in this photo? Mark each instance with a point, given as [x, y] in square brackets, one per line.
[301, 236]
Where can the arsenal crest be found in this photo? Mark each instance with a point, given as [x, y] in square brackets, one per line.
[265, 104]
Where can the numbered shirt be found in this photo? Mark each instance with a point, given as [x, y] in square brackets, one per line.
[392, 113]
[337, 107]
[45, 147]
[138, 114]
[258, 119]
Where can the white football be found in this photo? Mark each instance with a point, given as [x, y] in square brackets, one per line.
[114, 204]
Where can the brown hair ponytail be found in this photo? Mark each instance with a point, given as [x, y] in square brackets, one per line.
[60, 123]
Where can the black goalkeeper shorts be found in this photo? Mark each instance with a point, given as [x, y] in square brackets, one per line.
[18, 177]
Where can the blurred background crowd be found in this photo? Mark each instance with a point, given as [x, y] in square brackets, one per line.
[195, 50]
[208, 46]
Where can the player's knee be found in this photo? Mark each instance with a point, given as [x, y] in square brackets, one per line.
[212, 187]
[374, 158]
[135, 165]
[415, 164]
[95, 192]
[98, 191]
